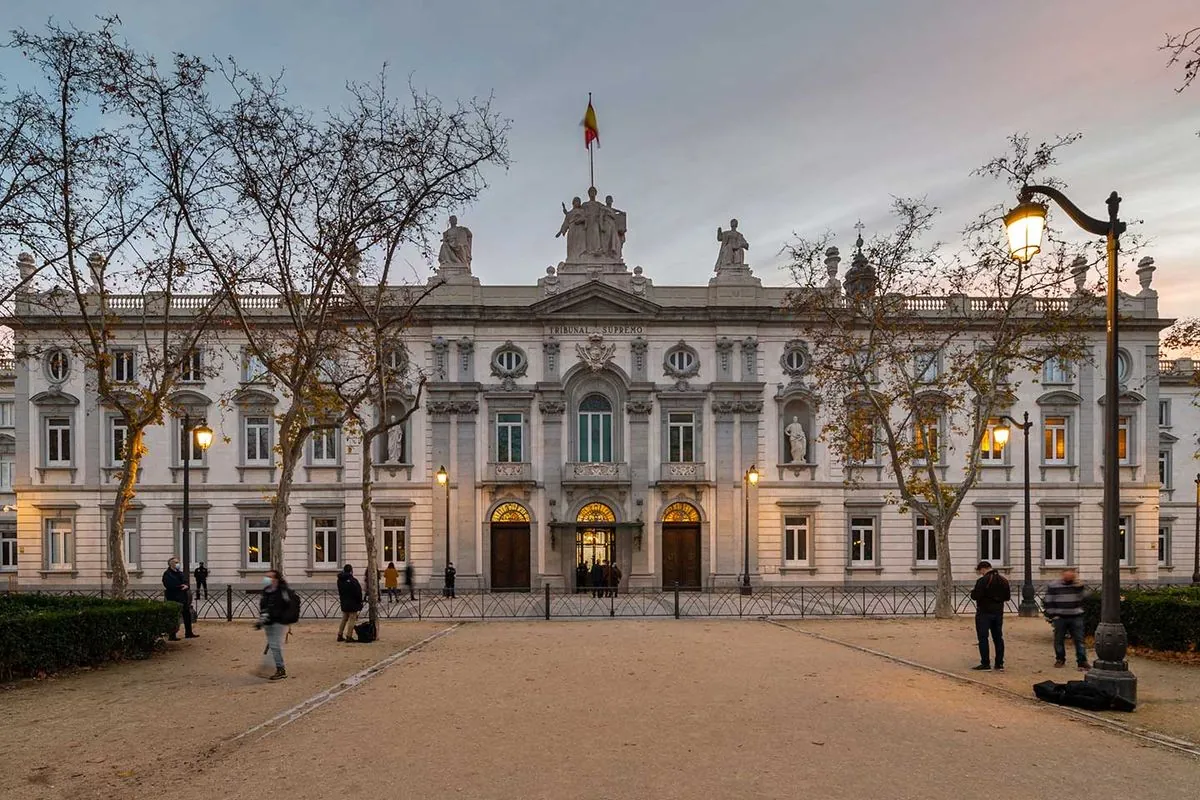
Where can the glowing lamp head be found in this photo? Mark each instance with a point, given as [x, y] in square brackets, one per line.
[1025, 225]
[204, 435]
[442, 476]
[1001, 434]
[752, 476]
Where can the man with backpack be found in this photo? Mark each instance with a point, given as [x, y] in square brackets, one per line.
[278, 608]
[350, 594]
[176, 590]
[990, 594]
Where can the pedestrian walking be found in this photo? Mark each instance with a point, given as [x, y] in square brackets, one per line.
[391, 580]
[201, 576]
[350, 594]
[597, 578]
[990, 594]
[408, 580]
[615, 582]
[581, 578]
[176, 586]
[274, 609]
[450, 573]
[1064, 609]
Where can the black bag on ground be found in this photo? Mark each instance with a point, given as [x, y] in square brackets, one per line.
[365, 631]
[1080, 694]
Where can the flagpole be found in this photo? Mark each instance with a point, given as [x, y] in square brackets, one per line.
[591, 154]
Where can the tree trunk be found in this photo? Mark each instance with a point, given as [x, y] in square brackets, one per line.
[116, 517]
[943, 606]
[368, 482]
[290, 452]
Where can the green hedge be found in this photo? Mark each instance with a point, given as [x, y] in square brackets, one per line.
[40, 633]
[1163, 618]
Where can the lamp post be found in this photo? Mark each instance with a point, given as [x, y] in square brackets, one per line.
[199, 436]
[443, 479]
[1029, 606]
[1196, 551]
[1025, 225]
[750, 479]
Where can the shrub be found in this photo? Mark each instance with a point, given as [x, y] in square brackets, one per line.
[40, 634]
[1163, 618]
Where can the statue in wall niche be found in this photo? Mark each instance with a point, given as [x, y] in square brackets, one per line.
[456, 245]
[733, 246]
[395, 443]
[797, 441]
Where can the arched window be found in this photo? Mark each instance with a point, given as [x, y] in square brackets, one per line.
[596, 512]
[595, 429]
[681, 512]
[510, 512]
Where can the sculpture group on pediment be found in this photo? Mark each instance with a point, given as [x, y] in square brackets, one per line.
[595, 231]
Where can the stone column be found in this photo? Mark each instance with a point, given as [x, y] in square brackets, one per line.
[439, 447]
[465, 543]
[726, 559]
[639, 410]
[751, 414]
[550, 410]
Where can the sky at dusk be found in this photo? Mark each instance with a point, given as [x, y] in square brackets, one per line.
[795, 116]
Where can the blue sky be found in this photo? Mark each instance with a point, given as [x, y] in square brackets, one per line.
[793, 115]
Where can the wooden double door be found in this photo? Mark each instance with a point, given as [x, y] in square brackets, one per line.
[681, 556]
[510, 557]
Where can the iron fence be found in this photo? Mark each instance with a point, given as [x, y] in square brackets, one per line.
[795, 602]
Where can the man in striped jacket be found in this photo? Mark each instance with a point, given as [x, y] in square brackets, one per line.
[1064, 609]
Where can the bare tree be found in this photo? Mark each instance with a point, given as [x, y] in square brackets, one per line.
[926, 346]
[1184, 50]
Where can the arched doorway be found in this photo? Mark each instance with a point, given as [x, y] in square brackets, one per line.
[510, 548]
[681, 546]
[595, 545]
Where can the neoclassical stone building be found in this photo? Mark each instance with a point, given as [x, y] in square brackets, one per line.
[589, 416]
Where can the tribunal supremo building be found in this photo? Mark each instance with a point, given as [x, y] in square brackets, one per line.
[587, 416]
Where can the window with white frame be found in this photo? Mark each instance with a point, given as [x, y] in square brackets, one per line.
[132, 543]
[58, 366]
[681, 437]
[681, 359]
[1055, 541]
[862, 541]
[6, 413]
[1124, 429]
[1125, 538]
[1164, 413]
[1057, 370]
[7, 473]
[1054, 438]
[860, 444]
[509, 359]
[58, 442]
[990, 451]
[926, 543]
[1164, 469]
[258, 542]
[253, 368]
[191, 368]
[8, 549]
[991, 538]
[324, 447]
[188, 444]
[60, 544]
[1124, 366]
[925, 366]
[123, 366]
[391, 540]
[325, 542]
[595, 429]
[197, 539]
[257, 435]
[926, 437]
[795, 540]
[118, 439]
[510, 427]
[1164, 545]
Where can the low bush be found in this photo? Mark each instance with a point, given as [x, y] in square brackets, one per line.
[41, 634]
[1163, 618]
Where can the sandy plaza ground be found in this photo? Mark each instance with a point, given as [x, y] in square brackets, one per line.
[598, 709]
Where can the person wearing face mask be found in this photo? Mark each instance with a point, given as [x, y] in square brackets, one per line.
[273, 612]
[175, 583]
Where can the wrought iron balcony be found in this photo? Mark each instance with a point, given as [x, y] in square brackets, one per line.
[682, 472]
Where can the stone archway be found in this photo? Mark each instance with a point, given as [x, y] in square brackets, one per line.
[681, 555]
[510, 535]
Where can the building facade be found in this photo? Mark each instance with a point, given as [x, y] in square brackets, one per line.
[590, 416]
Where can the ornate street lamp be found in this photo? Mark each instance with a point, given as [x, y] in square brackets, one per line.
[1000, 434]
[1025, 225]
[1196, 552]
[443, 479]
[750, 479]
[199, 436]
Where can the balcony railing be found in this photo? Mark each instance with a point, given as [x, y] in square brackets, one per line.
[509, 472]
[596, 472]
[681, 472]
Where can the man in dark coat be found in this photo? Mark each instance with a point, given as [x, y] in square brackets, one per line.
[450, 573]
[201, 576]
[581, 578]
[597, 579]
[614, 578]
[990, 594]
[176, 586]
[408, 580]
[350, 594]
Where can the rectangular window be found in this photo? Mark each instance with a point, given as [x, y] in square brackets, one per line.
[187, 443]
[681, 437]
[1125, 534]
[58, 441]
[197, 541]
[325, 446]
[6, 414]
[253, 368]
[391, 541]
[1164, 468]
[860, 447]
[132, 540]
[795, 540]
[118, 436]
[1055, 432]
[258, 440]
[1164, 545]
[1164, 413]
[8, 549]
[509, 429]
[7, 469]
[595, 436]
[191, 368]
[991, 539]
[925, 442]
[258, 542]
[59, 543]
[325, 542]
[1124, 426]
[990, 452]
[862, 541]
[1054, 541]
[926, 544]
[1056, 370]
[925, 366]
[122, 366]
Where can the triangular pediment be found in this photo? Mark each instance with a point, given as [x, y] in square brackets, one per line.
[595, 300]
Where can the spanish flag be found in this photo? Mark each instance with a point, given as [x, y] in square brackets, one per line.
[591, 131]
